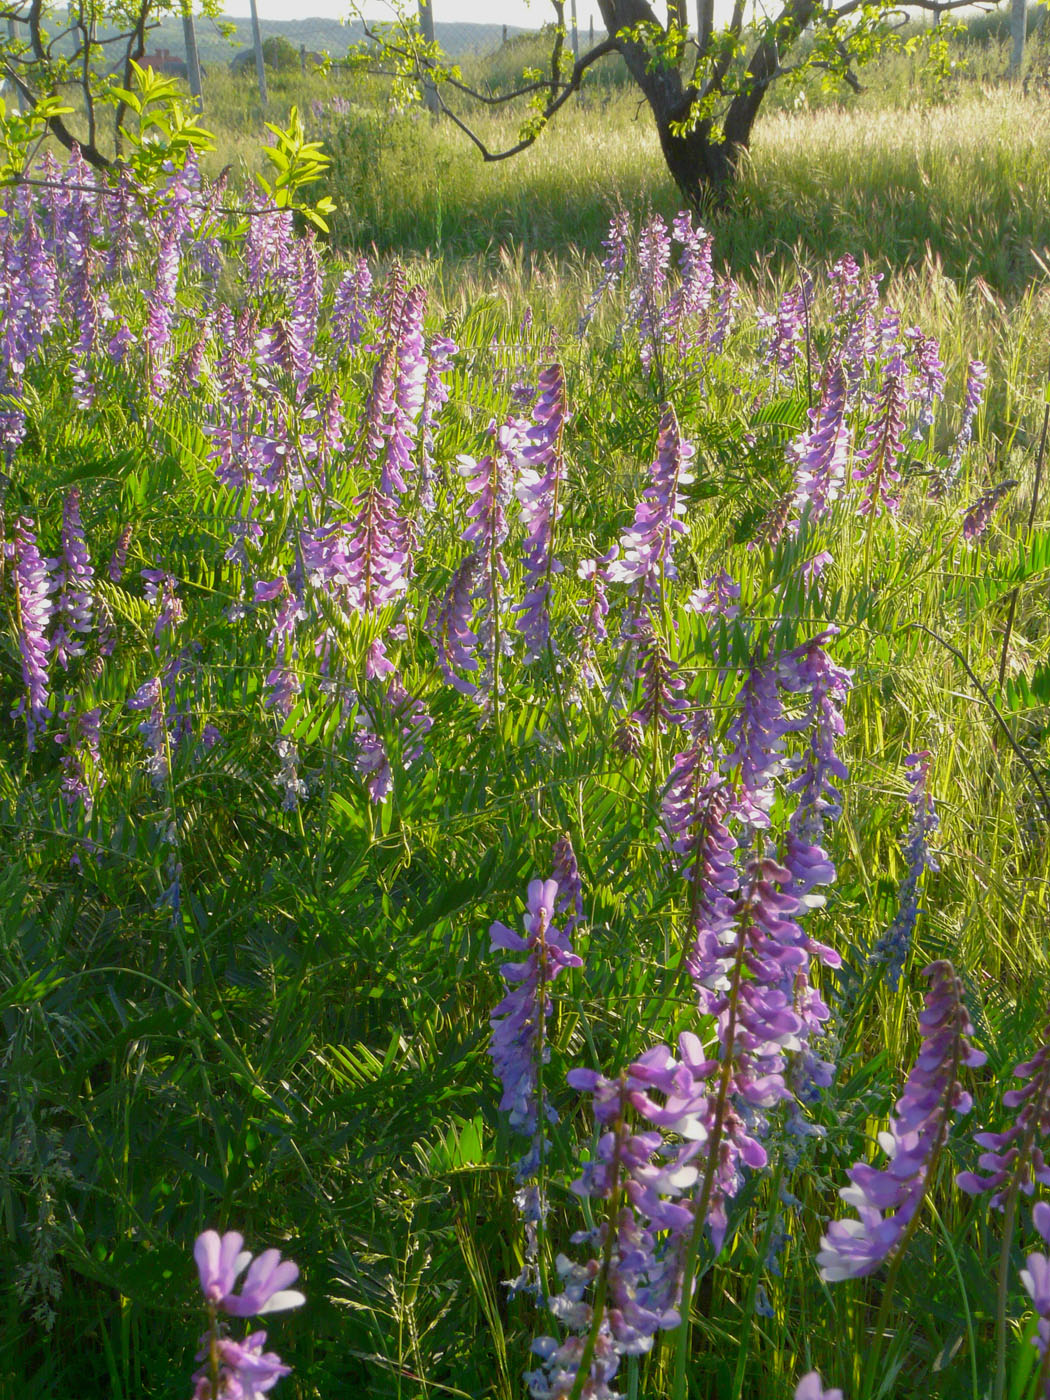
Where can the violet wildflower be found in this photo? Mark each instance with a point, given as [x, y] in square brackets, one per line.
[928, 373]
[119, 559]
[408, 393]
[789, 328]
[662, 701]
[153, 729]
[692, 298]
[33, 587]
[235, 1370]
[718, 596]
[615, 244]
[538, 489]
[351, 304]
[811, 1387]
[975, 380]
[566, 874]
[292, 785]
[726, 297]
[644, 301]
[442, 349]
[977, 516]
[894, 945]
[634, 1274]
[156, 336]
[877, 462]
[917, 1131]
[755, 742]
[518, 1047]
[1014, 1158]
[1036, 1280]
[647, 546]
[450, 625]
[489, 481]
[373, 562]
[161, 591]
[81, 763]
[593, 629]
[820, 455]
[73, 579]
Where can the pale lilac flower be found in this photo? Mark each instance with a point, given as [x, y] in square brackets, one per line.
[119, 560]
[351, 304]
[246, 1372]
[593, 630]
[975, 381]
[517, 1047]
[450, 625]
[726, 298]
[917, 1131]
[718, 596]
[153, 729]
[662, 699]
[645, 299]
[811, 1387]
[221, 1259]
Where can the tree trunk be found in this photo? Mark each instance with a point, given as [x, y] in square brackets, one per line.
[703, 168]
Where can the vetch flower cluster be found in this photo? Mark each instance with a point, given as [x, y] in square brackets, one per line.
[887, 1200]
[241, 1370]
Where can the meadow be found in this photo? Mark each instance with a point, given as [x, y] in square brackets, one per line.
[526, 761]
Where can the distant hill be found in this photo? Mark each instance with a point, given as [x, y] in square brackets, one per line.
[319, 35]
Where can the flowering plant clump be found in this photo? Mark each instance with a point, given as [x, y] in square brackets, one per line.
[329, 607]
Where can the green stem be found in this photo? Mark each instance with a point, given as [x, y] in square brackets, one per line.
[598, 1305]
[712, 1147]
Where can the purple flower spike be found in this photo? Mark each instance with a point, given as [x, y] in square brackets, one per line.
[74, 578]
[33, 587]
[917, 1131]
[518, 1022]
[975, 379]
[976, 519]
[820, 455]
[1036, 1280]
[1014, 1158]
[647, 547]
[539, 489]
[615, 260]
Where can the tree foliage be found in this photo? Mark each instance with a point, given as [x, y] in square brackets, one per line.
[703, 90]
